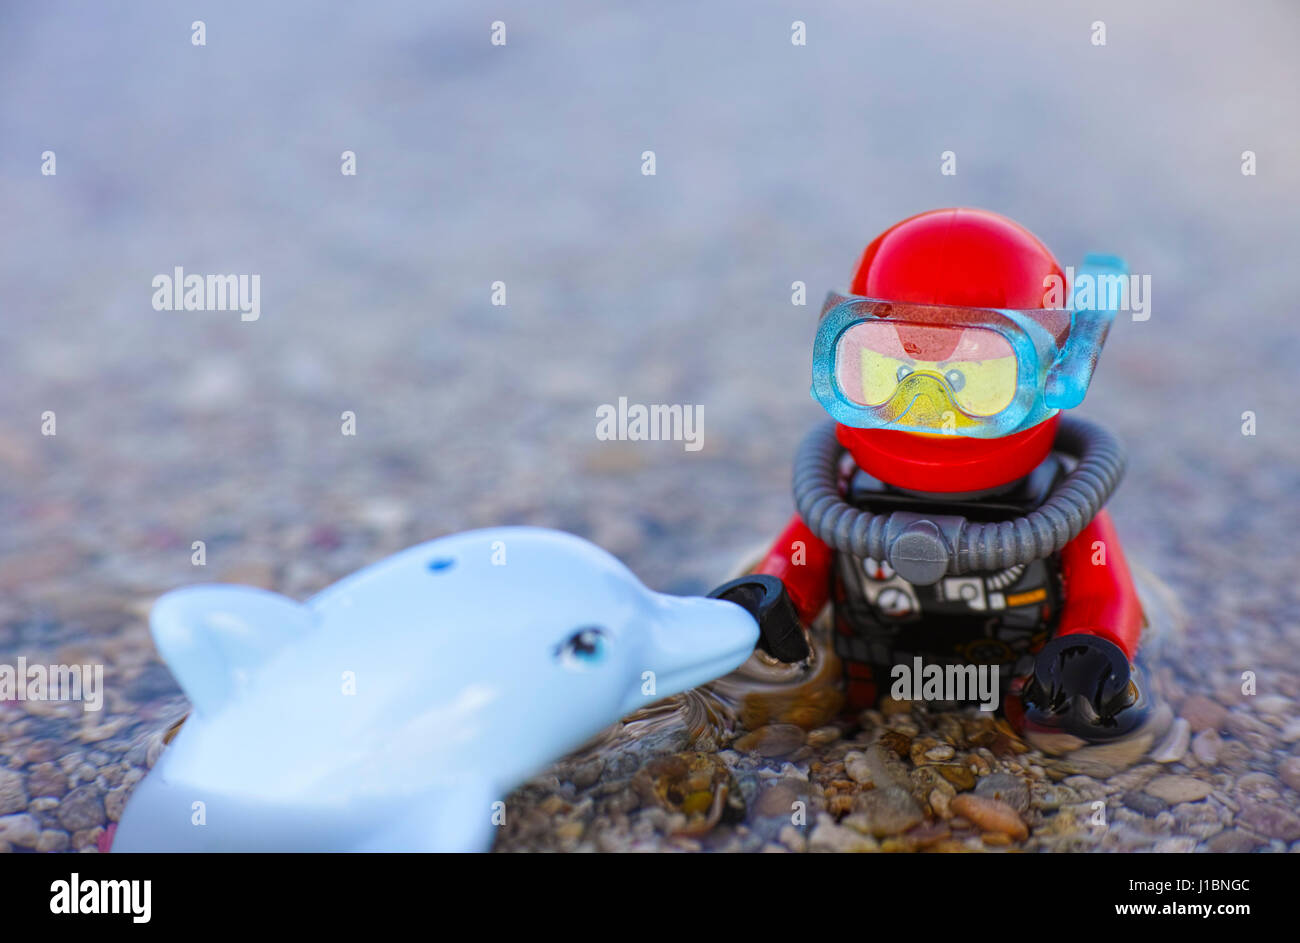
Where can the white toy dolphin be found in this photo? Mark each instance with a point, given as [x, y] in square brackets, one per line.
[394, 709]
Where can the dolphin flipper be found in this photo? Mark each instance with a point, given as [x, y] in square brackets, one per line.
[455, 819]
[213, 636]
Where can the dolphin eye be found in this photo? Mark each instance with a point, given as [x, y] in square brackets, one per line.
[583, 649]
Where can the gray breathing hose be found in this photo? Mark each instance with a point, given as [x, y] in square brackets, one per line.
[923, 548]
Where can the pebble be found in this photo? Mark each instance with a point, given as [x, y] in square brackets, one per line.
[584, 774]
[885, 768]
[87, 839]
[1174, 789]
[941, 803]
[1201, 713]
[1258, 787]
[1201, 819]
[115, 803]
[823, 736]
[856, 765]
[886, 810]
[1086, 787]
[46, 779]
[793, 839]
[772, 740]
[1289, 772]
[1006, 788]
[53, 839]
[962, 777]
[1144, 803]
[1270, 819]
[1234, 841]
[1174, 746]
[20, 830]
[1242, 725]
[929, 834]
[13, 795]
[81, 809]
[1205, 747]
[1054, 797]
[940, 753]
[829, 837]
[778, 800]
[991, 815]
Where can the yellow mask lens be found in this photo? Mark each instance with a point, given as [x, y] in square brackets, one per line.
[982, 387]
[874, 357]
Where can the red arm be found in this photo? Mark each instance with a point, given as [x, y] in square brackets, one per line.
[1099, 595]
[802, 562]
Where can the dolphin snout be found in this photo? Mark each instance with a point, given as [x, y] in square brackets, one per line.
[695, 641]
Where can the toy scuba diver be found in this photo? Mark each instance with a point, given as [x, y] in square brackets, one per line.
[968, 527]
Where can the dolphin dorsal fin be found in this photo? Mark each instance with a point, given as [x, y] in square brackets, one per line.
[213, 637]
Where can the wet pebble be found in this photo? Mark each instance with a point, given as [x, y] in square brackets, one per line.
[961, 777]
[857, 767]
[1006, 788]
[885, 768]
[772, 740]
[1258, 787]
[1174, 747]
[1234, 841]
[115, 803]
[1200, 819]
[1270, 819]
[779, 799]
[827, 836]
[53, 839]
[991, 815]
[88, 838]
[19, 830]
[81, 809]
[793, 839]
[1054, 797]
[1086, 787]
[586, 774]
[1205, 747]
[1289, 772]
[13, 794]
[1144, 803]
[887, 810]
[941, 803]
[1174, 789]
[1201, 713]
[823, 736]
[697, 786]
[46, 779]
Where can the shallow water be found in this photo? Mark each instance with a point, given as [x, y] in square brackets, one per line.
[765, 759]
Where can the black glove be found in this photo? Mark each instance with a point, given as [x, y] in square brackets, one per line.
[1084, 685]
[764, 597]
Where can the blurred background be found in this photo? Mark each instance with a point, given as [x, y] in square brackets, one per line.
[522, 164]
